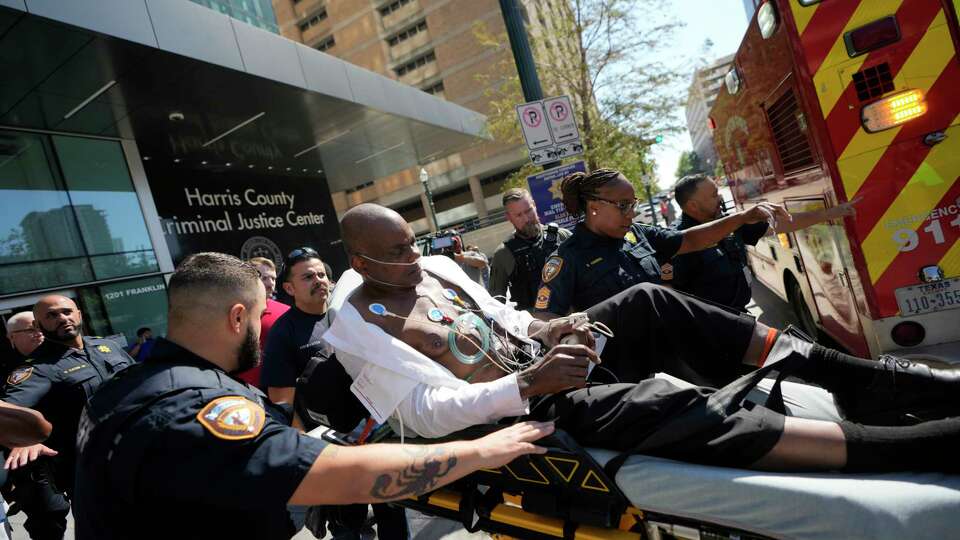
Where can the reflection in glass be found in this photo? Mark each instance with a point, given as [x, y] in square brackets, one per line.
[134, 304]
[36, 222]
[124, 264]
[105, 204]
[44, 275]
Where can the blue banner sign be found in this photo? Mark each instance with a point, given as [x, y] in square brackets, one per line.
[545, 189]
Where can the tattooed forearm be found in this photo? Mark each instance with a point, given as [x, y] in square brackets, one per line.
[419, 476]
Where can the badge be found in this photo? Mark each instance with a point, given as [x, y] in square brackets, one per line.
[543, 298]
[103, 348]
[232, 418]
[666, 272]
[551, 269]
[19, 375]
[630, 237]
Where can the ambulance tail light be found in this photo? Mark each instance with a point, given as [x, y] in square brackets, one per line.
[893, 111]
[872, 36]
[908, 334]
[711, 123]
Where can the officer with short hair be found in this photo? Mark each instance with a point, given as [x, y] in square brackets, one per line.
[57, 379]
[518, 261]
[176, 447]
[720, 273]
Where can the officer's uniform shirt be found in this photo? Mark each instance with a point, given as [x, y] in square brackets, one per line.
[718, 273]
[589, 268]
[522, 277]
[57, 381]
[175, 448]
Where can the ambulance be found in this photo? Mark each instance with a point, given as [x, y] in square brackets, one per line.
[830, 101]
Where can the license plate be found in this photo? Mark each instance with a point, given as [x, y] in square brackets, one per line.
[938, 296]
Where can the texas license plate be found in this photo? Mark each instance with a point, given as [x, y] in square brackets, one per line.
[937, 296]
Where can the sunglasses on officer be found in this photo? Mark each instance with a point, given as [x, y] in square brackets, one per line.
[295, 256]
[625, 207]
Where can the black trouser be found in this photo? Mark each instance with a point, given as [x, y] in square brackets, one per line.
[657, 418]
[39, 496]
[658, 329]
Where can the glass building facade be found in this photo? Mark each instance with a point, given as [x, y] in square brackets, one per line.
[71, 219]
[256, 12]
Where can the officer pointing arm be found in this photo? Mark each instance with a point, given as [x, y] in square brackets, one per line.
[178, 431]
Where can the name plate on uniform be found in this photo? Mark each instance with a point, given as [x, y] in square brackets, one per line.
[927, 297]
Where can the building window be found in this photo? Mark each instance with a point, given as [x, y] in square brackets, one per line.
[313, 20]
[416, 63]
[387, 9]
[326, 44]
[434, 88]
[81, 225]
[407, 33]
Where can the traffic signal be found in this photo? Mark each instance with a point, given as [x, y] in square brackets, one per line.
[658, 139]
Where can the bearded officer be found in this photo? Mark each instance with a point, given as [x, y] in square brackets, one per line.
[176, 447]
[56, 380]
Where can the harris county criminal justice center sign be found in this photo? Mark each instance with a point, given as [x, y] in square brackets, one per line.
[245, 215]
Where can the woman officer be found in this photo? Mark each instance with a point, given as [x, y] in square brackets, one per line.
[608, 252]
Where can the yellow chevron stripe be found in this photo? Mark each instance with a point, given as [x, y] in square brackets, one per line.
[921, 70]
[950, 263]
[829, 83]
[803, 14]
[919, 197]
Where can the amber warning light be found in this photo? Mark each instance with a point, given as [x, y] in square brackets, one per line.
[893, 111]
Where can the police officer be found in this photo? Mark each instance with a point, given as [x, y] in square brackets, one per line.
[518, 261]
[608, 252]
[57, 379]
[719, 273]
[176, 447]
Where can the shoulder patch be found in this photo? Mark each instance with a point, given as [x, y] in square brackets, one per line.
[103, 348]
[17, 376]
[543, 298]
[551, 269]
[232, 418]
[630, 237]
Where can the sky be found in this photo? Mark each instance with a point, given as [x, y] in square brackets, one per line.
[724, 22]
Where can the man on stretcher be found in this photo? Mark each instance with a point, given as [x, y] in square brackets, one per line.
[432, 350]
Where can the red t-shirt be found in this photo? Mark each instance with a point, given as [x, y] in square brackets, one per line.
[270, 315]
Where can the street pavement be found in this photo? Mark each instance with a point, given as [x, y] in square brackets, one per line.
[765, 305]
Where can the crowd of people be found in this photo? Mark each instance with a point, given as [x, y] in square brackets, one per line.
[211, 418]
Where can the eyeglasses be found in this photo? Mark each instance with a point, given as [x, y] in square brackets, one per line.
[625, 207]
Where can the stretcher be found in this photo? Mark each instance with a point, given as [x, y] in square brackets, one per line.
[566, 493]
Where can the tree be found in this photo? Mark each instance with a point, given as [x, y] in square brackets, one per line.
[612, 58]
[690, 163]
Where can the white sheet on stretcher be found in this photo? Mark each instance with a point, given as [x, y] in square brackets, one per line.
[796, 505]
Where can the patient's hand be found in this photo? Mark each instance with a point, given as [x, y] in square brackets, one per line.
[563, 367]
[550, 333]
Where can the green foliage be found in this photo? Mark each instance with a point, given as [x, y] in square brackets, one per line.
[609, 56]
[690, 163]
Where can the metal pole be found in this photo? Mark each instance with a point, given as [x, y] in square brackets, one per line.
[433, 210]
[522, 55]
[647, 180]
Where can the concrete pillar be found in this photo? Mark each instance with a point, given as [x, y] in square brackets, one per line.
[426, 211]
[478, 200]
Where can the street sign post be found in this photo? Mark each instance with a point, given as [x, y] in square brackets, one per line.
[549, 129]
[545, 191]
